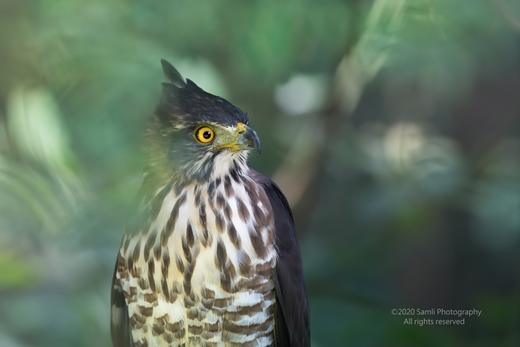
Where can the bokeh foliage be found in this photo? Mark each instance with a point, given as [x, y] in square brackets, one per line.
[392, 125]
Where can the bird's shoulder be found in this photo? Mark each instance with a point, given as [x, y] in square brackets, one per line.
[292, 316]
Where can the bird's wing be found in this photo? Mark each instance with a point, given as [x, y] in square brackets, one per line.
[292, 314]
[119, 320]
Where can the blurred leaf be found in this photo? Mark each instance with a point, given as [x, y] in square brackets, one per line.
[14, 272]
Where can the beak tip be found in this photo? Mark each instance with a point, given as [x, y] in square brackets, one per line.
[249, 140]
[256, 141]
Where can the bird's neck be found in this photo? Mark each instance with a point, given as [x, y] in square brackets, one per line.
[229, 164]
[226, 169]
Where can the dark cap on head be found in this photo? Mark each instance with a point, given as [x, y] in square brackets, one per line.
[183, 103]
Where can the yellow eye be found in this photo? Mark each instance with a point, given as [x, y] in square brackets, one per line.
[204, 135]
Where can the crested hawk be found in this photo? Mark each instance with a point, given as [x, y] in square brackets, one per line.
[213, 260]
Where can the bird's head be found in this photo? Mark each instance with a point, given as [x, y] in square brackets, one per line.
[196, 134]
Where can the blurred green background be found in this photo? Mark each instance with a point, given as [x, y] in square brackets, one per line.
[393, 126]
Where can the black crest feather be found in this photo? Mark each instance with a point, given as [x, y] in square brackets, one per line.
[183, 102]
[172, 74]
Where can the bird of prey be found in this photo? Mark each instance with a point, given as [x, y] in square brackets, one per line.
[214, 259]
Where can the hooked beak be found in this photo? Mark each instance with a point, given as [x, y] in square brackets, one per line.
[244, 138]
[247, 138]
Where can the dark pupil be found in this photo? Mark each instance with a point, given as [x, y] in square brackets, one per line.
[206, 134]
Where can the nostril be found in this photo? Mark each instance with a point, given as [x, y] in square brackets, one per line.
[241, 128]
